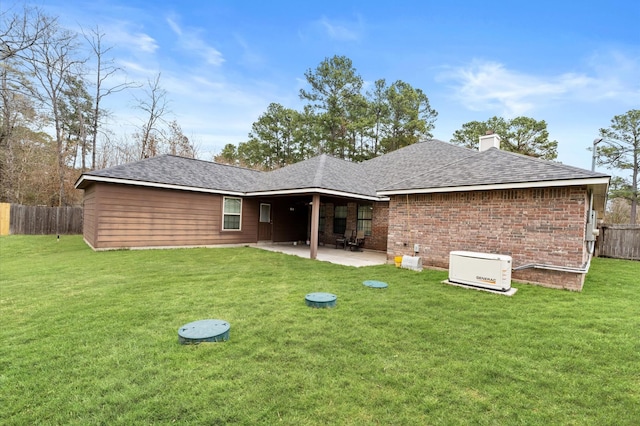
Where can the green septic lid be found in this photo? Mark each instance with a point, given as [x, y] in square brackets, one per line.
[209, 330]
[321, 300]
[375, 284]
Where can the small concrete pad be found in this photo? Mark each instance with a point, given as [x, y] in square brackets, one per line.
[509, 292]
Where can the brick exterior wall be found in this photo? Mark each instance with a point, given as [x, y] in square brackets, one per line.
[379, 226]
[327, 237]
[542, 226]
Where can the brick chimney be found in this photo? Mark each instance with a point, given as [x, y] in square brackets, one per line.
[490, 140]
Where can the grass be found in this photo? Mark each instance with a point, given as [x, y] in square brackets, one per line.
[91, 338]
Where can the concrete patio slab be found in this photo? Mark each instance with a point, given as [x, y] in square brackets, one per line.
[330, 254]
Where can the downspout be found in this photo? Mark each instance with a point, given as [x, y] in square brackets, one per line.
[581, 270]
[591, 245]
[407, 225]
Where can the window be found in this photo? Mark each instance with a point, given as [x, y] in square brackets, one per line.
[365, 216]
[232, 211]
[323, 217]
[265, 213]
[340, 220]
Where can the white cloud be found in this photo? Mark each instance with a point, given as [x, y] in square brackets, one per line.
[136, 68]
[617, 76]
[490, 86]
[174, 26]
[340, 30]
[145, 42]
[250, 58]
[138, 42]
[190, 40]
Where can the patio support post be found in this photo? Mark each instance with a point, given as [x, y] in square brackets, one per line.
[315, 220]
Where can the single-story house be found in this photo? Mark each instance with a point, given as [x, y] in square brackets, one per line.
[425, 200]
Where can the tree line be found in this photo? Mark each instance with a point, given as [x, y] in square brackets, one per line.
[53, 126]
[619, 149]
[339, 118]
[53, 83]
[342, 120]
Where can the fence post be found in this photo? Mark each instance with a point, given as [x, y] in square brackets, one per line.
[5, 218]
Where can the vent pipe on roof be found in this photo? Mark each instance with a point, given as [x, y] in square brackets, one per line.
[490, 140]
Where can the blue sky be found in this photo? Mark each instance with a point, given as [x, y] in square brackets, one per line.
[573, 64]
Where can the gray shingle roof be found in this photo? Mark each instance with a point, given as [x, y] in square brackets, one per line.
[322, 172]
[413, 160]
[426, 165]
[180, 171]
[490, 167]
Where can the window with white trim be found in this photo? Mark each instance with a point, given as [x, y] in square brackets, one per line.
[231, 213]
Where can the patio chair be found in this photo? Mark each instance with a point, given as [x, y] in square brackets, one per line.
[344, 239]
[356, 242]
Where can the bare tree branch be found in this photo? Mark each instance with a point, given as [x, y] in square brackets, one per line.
[52, 62]
[155, 104]
[22, 31]
[104, 71]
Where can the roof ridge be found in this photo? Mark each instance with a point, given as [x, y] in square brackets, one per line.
[179, 157]
[199, 160]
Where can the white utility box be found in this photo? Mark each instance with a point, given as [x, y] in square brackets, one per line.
[412, 262]
[485, 270]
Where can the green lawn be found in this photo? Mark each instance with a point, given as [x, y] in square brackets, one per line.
[91, 338]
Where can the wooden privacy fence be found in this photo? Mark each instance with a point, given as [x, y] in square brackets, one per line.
[619, 241]
[39, 220]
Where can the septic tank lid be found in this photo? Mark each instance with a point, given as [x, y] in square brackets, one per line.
[208, 330]
[321, 300]
[375, 284]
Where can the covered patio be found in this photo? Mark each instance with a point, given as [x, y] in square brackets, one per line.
[330, 254]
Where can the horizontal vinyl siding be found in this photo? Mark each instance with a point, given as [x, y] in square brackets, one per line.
[289, 225]
[132, 216]
[89, 216]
